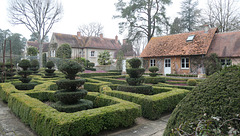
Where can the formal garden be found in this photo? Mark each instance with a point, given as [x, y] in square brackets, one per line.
[68, 101]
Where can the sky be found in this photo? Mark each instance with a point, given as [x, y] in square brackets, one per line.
[79, 12]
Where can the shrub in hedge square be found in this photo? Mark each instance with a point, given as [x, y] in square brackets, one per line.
[191, 82]
[25, 85]
[46, 121]
[153, 69]
[49, 72]
[70, 98]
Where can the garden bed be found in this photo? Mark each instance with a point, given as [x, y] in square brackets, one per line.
[45, 120]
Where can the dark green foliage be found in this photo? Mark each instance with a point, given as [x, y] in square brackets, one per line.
[25, 73]
[32, 51]
[70, 85]
[135, 62]
[143, 89]
[70, 97]
[34, 65]
[70, 68]
[87, 75]
[135, 81]
[212, 64]
[64, 51]
[181, 75]
[154, 80]
[24, 64]
[25, 80]
[153, 74]
[9, 65]
[104, 58]
[153, 69]
[24, 86]
[50, 70]
[135, 72]
[191, 82]
[44, 60]
[216, 96]
[50, 64]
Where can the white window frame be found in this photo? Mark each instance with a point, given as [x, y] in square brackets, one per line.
[92, 53]
[185, 63]
[226, 62]
[152, 62]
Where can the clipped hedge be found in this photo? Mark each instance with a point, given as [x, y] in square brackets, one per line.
[175, 86]
[153, 106]
[154, 80]
[87, 75]
[94, 85]
[112, 80]
[181, 75]
[47, 121]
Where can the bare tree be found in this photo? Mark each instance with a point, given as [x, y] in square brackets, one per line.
[224, 14]
[92, 29]
[38, 16]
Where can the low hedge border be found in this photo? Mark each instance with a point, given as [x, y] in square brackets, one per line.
[153, 106]
[93, 85]
[154, 80]
[112, 80]
[175, 86]
[181, 75]
[87, 75]
[47, 121]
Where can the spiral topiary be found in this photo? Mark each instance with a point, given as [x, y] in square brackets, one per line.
[135, 78]
[213, 105]
[49, 72]
[70, 98]
[25, 85]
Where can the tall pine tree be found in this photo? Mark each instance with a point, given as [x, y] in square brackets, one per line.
[190, 14]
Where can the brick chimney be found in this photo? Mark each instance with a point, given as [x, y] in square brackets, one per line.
[206, 28]
[79, 35]
[116, 39]
[101, 36]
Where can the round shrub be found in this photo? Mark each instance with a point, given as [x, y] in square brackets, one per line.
[135, 81]
[135, 62]
[153, 69]
[34, 63]
[70, 68]
[216, 97]
[25, 86]
[50, 65]
[153, 74]
[191, 82]
[24, 64]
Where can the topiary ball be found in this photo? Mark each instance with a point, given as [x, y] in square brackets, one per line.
[50, 64]
[216, 99]
[34, 63]
[24, 64]
[70, 68]
[153, 69]
[191, 82]
[135, 62]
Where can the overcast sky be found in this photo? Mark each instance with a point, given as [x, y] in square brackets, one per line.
[78, 12]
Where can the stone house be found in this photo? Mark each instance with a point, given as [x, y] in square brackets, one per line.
[183, 53]
[86, 47]
[36, 44]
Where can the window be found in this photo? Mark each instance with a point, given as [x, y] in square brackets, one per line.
[167, 62]
[152, 62]
[226, 62]
[190, 38]
[185, 63]
[92, 53]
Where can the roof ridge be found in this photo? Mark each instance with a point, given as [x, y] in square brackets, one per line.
[229, 32]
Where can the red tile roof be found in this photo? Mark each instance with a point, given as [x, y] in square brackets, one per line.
[36, 44]
[176, 45]
[92, 42]
[226, 44]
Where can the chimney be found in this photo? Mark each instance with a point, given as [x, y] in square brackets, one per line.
[116, 39]
[79, 35]
[101, 36]
[206, 28]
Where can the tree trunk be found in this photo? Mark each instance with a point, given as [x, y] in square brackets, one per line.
[40, 51]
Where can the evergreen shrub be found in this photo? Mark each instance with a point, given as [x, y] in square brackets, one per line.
[135, 62]
[217, 96]
[191, 82]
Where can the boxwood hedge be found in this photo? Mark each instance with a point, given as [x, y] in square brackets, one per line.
[47, 121]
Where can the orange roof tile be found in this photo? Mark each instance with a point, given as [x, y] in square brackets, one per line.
[226, 44]
[176, 45]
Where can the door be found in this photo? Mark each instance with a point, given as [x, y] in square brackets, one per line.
[167, 66]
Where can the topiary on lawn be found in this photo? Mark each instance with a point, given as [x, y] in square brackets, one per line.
[70, 98]
[135, 62]
[212, 106]
[49, 72]
[34, 65]
[191, 82]
[153, 69]
[25, 85]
